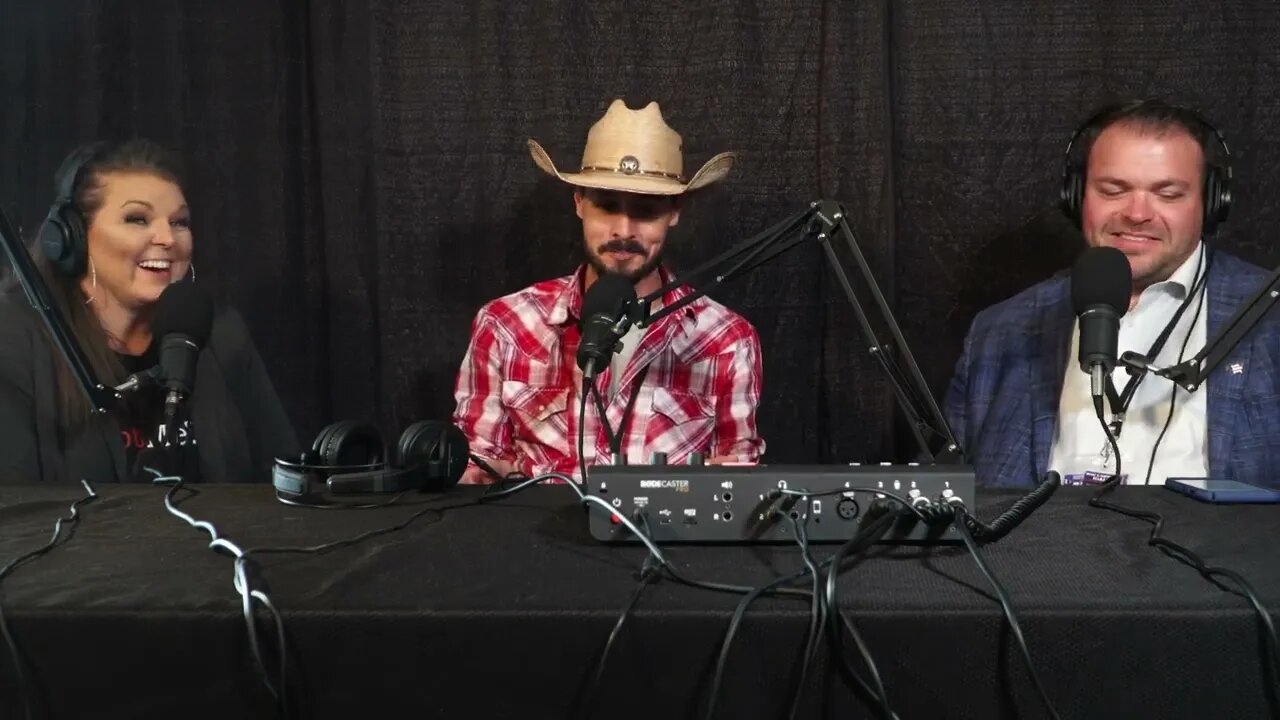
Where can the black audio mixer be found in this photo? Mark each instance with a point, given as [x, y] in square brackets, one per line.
[739, 504]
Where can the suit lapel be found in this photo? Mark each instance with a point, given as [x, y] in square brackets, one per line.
[1225, 386]
[1051, 343]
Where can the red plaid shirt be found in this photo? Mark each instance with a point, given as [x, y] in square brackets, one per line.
[518, 388]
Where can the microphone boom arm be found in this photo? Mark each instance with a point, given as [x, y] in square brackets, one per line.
[735, 261]
[820, 221]
[41, 301]
[1191, 373]
[912, 392]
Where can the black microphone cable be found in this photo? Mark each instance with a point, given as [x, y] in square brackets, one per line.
[72, 519]
[615, 441]
[871, 531]
[1013, 517]
[817, 612]
[1242, 587]
[877, 521]
[582, 431]
[972, 530]
[735, 622]
[1200, 286]
[246, 580]
[829, 609]
[650, 570]
[936, 514]
[656, 559]
[933, 515]
[1010, 614]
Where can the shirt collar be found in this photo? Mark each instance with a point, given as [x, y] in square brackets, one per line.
[1180, 282]
[568, 303]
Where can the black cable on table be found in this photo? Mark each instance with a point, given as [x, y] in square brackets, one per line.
[1242, 588]
[649, 572]
[73, 518]
[879, 518]
[1010, 615]
[817, 613]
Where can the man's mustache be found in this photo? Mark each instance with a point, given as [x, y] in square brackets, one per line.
[622, 245]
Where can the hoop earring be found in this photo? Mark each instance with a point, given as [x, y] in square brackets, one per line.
[193, 271]
[93, 272]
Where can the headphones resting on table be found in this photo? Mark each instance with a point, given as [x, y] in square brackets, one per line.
[349, 458]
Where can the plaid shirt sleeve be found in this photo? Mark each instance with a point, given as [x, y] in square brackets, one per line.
[479, 412]
[738, 387]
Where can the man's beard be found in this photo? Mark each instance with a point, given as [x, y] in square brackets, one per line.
[648, 266]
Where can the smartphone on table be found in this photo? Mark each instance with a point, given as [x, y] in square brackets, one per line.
[1222, 492]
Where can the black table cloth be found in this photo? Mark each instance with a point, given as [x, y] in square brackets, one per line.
[500, 610]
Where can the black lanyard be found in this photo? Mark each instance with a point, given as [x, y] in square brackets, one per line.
[615, 440]
[1119, 401]
[631, 401]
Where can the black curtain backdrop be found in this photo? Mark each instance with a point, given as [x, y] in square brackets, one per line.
[360, 182]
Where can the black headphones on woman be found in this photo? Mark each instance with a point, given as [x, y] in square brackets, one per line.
[63, 235]
[349, 458]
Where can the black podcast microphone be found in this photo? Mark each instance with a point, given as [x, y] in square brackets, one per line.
[603, 321]
[182, 321]
[1101, 283]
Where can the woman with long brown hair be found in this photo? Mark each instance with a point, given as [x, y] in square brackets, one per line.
[118, 234]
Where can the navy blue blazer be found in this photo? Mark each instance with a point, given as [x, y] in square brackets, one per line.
[1003, 400]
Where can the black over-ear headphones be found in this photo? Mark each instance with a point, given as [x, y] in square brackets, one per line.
[1217, 178]
[348, 458]
[63, 235]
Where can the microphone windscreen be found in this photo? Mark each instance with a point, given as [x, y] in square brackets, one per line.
[607, 295]
[1101, 276]
[185, 309]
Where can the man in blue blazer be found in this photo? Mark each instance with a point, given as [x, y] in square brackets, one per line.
[1149, 179]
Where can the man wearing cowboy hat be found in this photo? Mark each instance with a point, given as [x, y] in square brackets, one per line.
[688, 383]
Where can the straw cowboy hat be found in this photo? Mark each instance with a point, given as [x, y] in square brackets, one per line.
[635, 151]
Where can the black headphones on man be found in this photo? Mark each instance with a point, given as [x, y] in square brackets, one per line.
[349, 458]
[63, 235]
[1217, 178]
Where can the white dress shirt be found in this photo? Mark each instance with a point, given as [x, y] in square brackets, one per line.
[1080, 444]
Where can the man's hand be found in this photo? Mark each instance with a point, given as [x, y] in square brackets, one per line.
[727, 460]
[476, 475]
